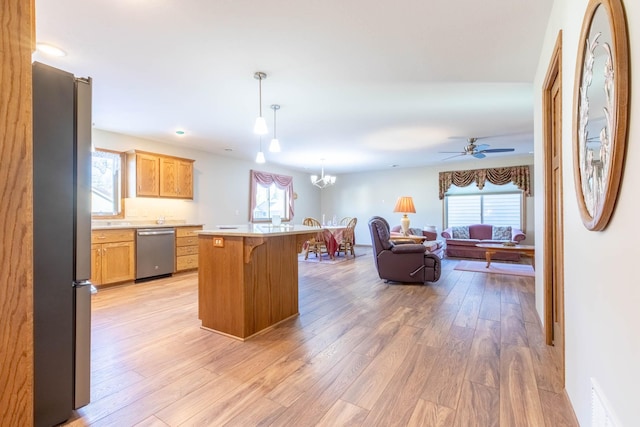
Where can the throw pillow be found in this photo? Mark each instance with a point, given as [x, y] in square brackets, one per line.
[501, 233]
[415, 231]
[431, 246]
[461, 232]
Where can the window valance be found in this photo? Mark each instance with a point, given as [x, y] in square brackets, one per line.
[519, 175]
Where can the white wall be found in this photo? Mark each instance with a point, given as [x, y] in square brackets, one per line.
[221, 186]
[363, 195]
[602, 296]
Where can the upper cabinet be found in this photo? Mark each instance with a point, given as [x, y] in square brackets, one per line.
[147, 175]
[176, 177]
[157, 175]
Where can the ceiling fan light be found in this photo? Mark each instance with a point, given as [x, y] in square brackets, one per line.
[274, 147]
[260, 128]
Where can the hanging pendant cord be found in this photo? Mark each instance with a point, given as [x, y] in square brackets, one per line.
[260, 92]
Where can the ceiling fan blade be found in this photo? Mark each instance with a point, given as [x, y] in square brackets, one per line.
[482, 147]
[451, 157]
[498, 150]
[450, 152]
[479, 156]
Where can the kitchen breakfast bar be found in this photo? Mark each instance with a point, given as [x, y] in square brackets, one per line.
[248, 276]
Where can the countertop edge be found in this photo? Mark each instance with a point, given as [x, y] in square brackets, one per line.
[259, 231]
[137, 226]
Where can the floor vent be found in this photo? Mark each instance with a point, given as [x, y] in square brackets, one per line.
[601, 416]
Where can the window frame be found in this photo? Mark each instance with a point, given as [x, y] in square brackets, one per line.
[282, 182]
[123, 179]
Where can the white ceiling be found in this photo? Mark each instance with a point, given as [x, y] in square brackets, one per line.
[363, 84]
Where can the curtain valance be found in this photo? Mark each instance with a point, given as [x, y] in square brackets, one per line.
[519, 175]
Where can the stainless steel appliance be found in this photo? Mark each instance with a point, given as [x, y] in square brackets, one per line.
[61, 243]
[155, 252]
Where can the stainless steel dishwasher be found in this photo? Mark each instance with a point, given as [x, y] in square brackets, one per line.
[155, 252]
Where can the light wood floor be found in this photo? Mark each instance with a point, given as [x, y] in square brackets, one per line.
[465, 351]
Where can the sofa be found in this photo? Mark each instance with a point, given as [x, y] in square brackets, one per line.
[461, 241]
[435, 247]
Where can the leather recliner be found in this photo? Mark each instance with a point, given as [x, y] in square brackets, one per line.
[406, 262]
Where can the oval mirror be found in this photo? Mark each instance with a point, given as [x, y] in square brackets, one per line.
[600, 111]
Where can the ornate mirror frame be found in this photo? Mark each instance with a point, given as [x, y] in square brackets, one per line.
[600, 111]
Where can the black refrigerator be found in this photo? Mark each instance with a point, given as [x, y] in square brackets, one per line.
[61, 243]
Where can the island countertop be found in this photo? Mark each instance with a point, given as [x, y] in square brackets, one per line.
[259, 230]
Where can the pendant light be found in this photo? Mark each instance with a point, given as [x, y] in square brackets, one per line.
[260, 127]
[260, 156]
[274, 147]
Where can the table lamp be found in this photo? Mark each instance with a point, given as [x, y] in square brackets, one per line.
[405, 205]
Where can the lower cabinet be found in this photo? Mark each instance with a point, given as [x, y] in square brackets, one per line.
[112, 256]
[187, 248]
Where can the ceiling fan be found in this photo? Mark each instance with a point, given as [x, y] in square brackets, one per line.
[477, 151]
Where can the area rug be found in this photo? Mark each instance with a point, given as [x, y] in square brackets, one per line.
[326, 260]
[496, 267]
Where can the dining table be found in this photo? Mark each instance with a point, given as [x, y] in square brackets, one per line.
[333, 235]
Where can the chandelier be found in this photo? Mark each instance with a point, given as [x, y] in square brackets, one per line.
[323, 180]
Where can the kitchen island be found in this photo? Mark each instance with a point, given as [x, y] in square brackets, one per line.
[248, 276]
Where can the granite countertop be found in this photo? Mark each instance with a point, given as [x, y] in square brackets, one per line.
[115, 225]
[258, 230]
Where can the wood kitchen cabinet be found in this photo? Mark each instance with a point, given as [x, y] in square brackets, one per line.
[176, 178]
[143, 174]
[187, 248]
[112, 256]
[157, 175]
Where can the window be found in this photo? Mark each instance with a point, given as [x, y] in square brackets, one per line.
[107, 184]
[494, 209]
[271, 194]
[269, 201]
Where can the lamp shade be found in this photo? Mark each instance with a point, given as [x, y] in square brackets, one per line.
[274, 147]
[260, 128]
[405, 205]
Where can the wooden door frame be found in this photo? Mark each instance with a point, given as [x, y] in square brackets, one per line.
[16, 212]
[554, 73]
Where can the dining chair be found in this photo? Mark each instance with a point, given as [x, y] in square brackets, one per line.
[316, 244]
[311, 222]
[345, 220]
[348, 238]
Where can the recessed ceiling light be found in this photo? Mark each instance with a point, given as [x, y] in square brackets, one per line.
[49, 49]
[394, 166]
[180, 132]
[228, 149]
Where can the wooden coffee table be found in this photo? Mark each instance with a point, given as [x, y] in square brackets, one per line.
[492, 248]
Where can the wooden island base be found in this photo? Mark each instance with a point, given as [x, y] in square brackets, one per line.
[247, 283]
